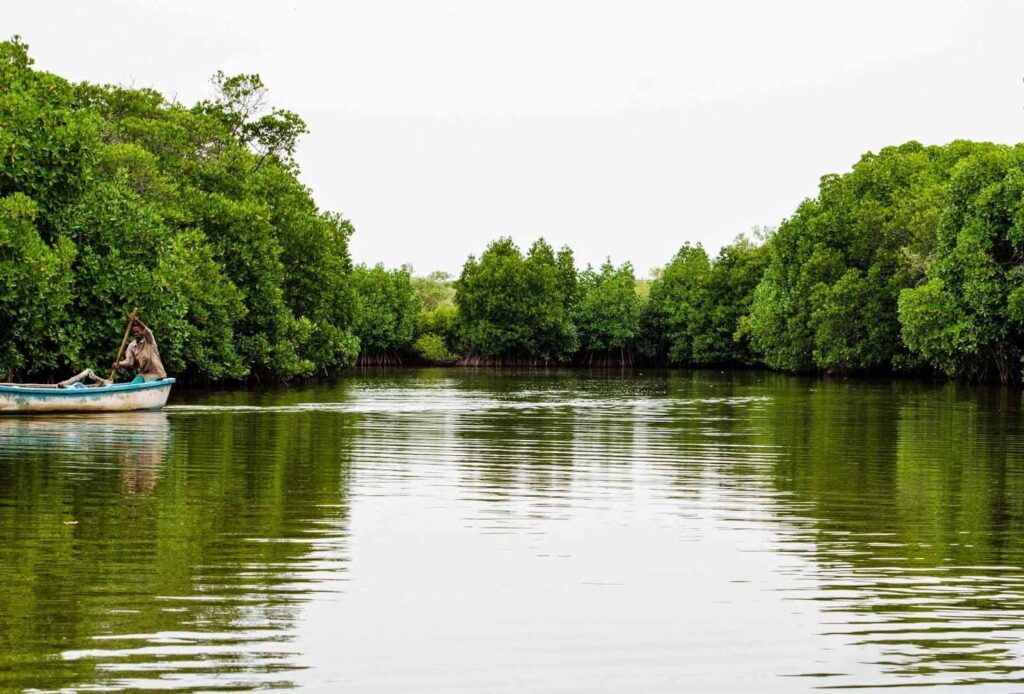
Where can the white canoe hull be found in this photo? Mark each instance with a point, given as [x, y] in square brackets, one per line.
[120, 397]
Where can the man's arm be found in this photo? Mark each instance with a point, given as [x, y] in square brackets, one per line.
[129, 358]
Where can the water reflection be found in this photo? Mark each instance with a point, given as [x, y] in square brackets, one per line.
[138, 549]
[484, 531]
[915, 497]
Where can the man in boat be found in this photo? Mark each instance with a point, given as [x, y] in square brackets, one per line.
[142, 354]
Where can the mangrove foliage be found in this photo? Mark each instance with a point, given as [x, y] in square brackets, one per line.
[114, 197]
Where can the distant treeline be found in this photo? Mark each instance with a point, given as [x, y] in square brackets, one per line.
[114, 197]
[913, 262]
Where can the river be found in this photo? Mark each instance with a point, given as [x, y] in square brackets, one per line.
[477, 531]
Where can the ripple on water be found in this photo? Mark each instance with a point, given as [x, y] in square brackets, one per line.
[477, 532]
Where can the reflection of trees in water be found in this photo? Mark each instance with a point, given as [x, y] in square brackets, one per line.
[917, 494]
[699, 438]
[905, 498]
[518, 461]
[199, 535]
[513, 438]
[555, 440]
[214, 527]
[514, 458]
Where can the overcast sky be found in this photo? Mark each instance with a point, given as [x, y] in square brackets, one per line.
[622, 129]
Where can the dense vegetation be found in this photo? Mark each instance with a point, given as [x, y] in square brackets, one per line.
[912, 262]
[608, 314]
[384, 319]
[113, 197]
[518, 309]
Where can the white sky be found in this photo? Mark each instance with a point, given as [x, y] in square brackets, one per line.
[621, 129]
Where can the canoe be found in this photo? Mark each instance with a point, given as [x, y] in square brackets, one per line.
[117, 397]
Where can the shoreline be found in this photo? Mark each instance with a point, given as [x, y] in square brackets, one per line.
[631, 372]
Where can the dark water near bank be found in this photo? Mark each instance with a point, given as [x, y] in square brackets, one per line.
[473, 532]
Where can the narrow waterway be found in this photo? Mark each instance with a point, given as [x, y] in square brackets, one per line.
[464, 531]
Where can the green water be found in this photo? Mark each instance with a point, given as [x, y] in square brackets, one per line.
[461, 531]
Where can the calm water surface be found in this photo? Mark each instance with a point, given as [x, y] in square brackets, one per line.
[461, 531]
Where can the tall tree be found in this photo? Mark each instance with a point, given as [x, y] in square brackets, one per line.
[967, 319]
[385, 314]
[516, 309]
[608, 315]
[672, 316]
[735, 274]
[836, 267]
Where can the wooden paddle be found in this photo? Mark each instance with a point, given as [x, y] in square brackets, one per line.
[124, 341]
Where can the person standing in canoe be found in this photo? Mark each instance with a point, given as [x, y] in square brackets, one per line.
[142, 354]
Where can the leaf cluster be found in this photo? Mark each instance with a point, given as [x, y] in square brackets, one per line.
[112, 197]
